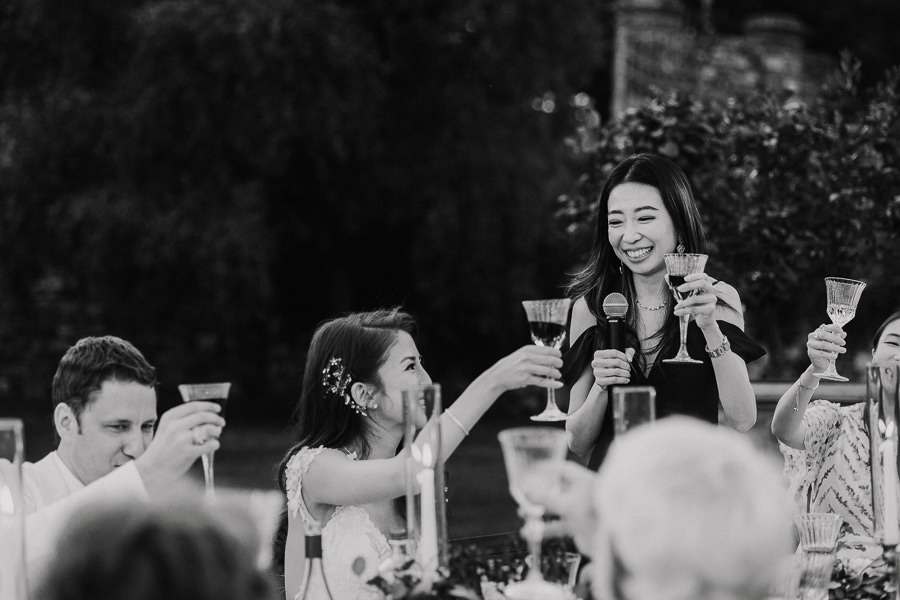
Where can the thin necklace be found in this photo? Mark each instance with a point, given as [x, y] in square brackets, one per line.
[657, 307]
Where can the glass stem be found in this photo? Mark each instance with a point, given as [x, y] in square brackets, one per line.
[682, 331]
[207, 460]
[551, 399]
[535, 534]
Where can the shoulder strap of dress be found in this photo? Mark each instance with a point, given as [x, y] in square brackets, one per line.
[296, 467]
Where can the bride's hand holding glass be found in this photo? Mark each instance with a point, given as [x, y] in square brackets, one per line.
[529, 365]
[699, 299]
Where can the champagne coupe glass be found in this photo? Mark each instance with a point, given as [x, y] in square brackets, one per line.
[527, 451]
[678, 265]
[843, 296]
[547, 320]
[210, 392]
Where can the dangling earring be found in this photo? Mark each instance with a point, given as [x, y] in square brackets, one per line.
[680, 247]
[621, 269]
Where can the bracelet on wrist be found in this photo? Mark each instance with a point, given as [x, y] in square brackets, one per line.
[800, 384]
[459, 424]
[721, 349]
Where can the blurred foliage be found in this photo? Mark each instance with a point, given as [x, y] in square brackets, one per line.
[789, 194]
[212, 179]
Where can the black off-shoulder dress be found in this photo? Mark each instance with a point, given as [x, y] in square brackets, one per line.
[681, 389]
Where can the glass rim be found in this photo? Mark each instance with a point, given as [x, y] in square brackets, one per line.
[11, 423]
[422, 387]
[543, 432]
[546, 300]
[197, 391]
[846, 280]
[685, 254]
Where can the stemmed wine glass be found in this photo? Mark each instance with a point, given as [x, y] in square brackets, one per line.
[210, 392]
[678, 265]
[843, 296]
[527, 451]
[547, 320]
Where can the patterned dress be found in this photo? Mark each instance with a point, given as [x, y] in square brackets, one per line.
[832, 474]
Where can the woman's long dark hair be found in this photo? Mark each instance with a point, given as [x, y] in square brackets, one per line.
[361, 341]
[604, 274]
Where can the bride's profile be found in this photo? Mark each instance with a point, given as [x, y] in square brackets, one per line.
[342, 476]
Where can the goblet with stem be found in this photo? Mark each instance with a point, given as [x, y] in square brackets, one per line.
[678, 266]
[527, 452]
[843, 296]
[209, 392]
[547, 321]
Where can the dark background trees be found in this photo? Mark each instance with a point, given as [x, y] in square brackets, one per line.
[212, 179]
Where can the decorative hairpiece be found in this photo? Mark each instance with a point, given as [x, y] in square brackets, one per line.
[337, 381]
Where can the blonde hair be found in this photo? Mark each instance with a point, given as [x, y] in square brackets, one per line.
[688, 510]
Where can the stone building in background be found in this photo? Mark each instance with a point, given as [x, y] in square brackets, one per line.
[655, 50]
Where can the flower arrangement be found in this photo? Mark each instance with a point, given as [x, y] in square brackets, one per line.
[402, 578]
[875, 583]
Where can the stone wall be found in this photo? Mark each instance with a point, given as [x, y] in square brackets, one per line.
[655, 51]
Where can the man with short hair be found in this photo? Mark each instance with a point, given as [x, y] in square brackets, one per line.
[104, 415]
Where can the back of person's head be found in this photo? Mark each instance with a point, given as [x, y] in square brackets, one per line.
[92, 361]
[688, 511]
[178, 550]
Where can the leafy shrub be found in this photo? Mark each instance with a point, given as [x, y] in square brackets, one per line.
[790, 193]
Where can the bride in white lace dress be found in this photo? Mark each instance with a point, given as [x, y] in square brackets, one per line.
[344, 474]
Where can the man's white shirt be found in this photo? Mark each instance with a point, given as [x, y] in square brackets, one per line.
[53, 496]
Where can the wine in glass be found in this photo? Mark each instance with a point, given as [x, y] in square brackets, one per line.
[527, 452]
[209, 392]
[843, 296]
[547, 320]
[679, 265]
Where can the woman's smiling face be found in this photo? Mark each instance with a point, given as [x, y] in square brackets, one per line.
[639, 227]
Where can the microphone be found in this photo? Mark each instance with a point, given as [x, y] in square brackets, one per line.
[615, 306]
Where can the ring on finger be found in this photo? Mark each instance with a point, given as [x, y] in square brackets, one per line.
[197, 436]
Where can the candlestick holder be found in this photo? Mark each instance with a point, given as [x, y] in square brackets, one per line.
[426, 516]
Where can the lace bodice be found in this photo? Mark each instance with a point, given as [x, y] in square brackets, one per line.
[348, 534]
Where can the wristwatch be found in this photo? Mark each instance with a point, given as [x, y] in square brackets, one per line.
[724, 347]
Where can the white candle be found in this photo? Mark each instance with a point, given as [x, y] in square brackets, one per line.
[428, 545]
[891, 486]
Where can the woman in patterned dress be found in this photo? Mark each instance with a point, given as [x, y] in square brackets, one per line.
[826, 445]
[342, 476]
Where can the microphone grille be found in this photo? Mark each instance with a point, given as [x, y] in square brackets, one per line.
[615, 305]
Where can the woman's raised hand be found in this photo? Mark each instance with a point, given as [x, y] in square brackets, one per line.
[824, 344]
[702, 303]
[612, 367]
[529, 365]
